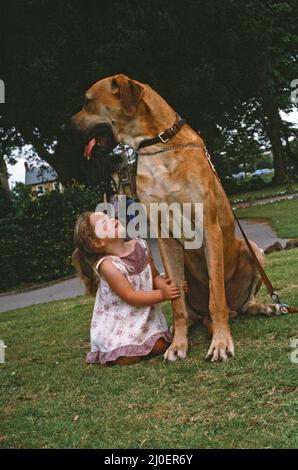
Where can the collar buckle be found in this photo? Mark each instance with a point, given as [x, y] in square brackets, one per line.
[165, 139]
[164, 136]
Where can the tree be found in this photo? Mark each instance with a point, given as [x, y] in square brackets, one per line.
[206, 58]
[269, 66]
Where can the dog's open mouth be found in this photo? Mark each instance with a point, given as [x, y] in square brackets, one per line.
[100, 141]
[103, 155]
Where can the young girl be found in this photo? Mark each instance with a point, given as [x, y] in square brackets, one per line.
[127, 322]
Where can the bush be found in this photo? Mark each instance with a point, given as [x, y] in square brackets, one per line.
[36, 237]
[5, 203]
[233, 186]
[230, 185]
[255, 183]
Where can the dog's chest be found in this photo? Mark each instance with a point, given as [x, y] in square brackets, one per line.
[156, 179]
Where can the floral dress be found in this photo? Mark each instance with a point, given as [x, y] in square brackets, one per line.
[117, 328]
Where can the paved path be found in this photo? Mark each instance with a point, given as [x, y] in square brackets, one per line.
[260, 232]
[58, 291]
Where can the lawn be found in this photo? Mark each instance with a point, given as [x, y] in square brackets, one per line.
[280, 213]
[52, 399]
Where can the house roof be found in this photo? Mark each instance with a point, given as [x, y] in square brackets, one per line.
[38, 175]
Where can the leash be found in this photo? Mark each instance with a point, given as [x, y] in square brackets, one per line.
[164, 137]
[174, 147]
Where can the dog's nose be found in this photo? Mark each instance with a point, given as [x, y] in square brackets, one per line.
[68, 133]
[66, 127]
[65, 131]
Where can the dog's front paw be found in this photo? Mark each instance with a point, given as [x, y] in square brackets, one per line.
[221, 347]
[176, 351]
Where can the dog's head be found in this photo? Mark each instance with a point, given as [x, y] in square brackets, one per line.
[111, 114]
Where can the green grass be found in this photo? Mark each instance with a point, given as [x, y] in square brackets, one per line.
[270, 190]
[282, 214]
[249, 401]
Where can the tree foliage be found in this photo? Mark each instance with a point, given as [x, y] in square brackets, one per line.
[225, 66]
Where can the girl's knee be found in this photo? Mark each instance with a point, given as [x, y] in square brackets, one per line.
[125, 361]
[160, 347]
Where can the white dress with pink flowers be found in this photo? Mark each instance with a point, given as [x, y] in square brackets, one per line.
[117, 328]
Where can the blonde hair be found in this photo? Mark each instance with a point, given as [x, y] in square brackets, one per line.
[84, 256]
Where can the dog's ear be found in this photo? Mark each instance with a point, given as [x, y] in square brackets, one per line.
[128, 91]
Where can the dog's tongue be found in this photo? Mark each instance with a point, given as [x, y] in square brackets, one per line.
[89, 147]
[91, 144]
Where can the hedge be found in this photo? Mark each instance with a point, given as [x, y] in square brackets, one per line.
[36, 235]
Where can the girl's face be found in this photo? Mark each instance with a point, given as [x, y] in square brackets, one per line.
[106, 227]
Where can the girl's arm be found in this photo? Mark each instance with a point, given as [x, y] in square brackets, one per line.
[120, 285]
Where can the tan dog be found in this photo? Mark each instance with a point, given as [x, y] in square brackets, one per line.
[221, 274]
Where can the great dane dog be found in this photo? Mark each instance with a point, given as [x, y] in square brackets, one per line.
[222, 276]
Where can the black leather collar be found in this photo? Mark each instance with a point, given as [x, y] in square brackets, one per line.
[164, 136]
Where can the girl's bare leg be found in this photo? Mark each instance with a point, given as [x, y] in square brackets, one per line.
[159, 348]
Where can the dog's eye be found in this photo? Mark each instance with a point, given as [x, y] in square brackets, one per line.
[86, 101]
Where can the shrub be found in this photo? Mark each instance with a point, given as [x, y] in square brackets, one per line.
[233, 186]
[36, 237]
[230, 185]
[5, 203]
[255, 183]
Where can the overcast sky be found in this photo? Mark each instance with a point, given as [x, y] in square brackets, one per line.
[17, 171]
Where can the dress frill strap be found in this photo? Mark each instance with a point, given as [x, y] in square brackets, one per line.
[115, 260]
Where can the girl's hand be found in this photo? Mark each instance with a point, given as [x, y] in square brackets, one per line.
[171, 291]
[184, 286]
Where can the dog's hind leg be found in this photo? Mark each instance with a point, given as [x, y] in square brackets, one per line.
[251, 307]
[243, 287]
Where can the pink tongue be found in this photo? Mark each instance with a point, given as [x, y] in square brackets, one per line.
[91, 144]
[89, 148]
